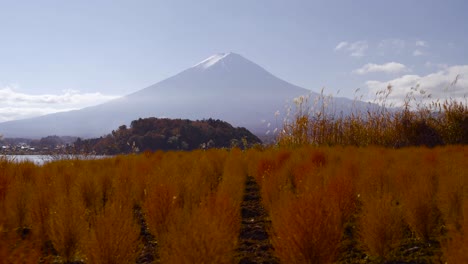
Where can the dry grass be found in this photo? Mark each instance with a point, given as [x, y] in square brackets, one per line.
[160, 204]
[312, 193]
[203, 236]
[308, 206]
[415, 124]
[306, 230]
[191, 202]
[205, 229]
[16, 250]
[16, 243]
[455, 247]
[44, 197]
[453, 202]
[114, 236]
[381, 224]
[18, 204]
[68, 229]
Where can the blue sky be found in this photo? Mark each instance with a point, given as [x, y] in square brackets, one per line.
[61, 55]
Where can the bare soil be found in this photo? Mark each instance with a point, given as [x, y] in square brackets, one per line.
[254, 241]
[149, 251]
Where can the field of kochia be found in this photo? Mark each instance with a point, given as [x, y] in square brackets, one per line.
[325, 204]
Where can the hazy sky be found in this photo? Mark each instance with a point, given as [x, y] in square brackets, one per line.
[60, 55]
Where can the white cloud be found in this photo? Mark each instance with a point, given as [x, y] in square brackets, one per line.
[421, 43]
[417, 53]
[451, 82]
[391, 46]
[17, 105]
[421, 48]
[442, 66]
[390, 67]
[14, 113]
[355, 49]
[341, 45]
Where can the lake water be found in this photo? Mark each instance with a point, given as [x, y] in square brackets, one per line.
[41, 159]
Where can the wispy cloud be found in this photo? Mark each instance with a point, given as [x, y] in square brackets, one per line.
[18, 105]
[384, 47]
[14, 113]
[390, 67]
[421, 43]
[421, 48]
[341, 45]
[391, 46]
[430, 64]
[451, 82]
[355, 49]
[417, 53]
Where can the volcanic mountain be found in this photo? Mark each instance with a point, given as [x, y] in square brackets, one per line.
[225, 86]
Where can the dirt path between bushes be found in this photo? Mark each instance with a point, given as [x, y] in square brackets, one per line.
[148, 253]
[254, 242]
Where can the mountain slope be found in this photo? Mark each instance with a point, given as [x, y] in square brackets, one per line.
[225, 86]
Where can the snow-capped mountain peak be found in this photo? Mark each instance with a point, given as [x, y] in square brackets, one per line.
[224, 86]
[212, 60]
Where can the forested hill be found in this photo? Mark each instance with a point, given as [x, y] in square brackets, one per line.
[168, 134]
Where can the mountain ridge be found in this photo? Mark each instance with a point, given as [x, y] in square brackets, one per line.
[224, 86]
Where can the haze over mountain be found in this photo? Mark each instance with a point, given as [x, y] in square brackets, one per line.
[225, 86]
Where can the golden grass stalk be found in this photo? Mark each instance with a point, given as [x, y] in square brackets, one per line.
[114, 236]
[426, 124]
[381, 224]
[306, 229]
[203, 236]
[68, 228]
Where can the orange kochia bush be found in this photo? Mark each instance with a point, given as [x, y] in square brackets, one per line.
[91, 210]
